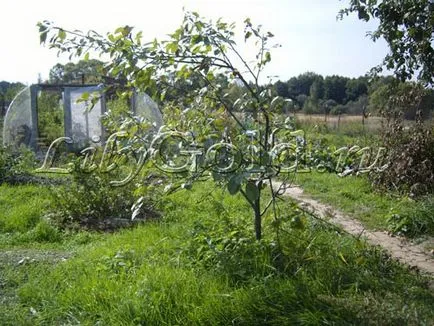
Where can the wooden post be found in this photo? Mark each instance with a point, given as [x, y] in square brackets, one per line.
[364, 116]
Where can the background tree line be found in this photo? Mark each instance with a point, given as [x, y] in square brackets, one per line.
[8, 90]
[312, 93]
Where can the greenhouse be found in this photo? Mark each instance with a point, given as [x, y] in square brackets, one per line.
[41, 113]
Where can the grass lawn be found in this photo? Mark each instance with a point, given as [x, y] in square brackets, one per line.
[200, 265]
[21, 208]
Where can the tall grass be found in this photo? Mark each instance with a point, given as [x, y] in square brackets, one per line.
[22, 207]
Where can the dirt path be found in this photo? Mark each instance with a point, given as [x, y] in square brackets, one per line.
[25, 256]
[405, 251]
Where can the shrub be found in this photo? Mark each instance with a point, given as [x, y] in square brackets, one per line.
[91, 201]
[45, 232]
[410, 159]
[410, 149]
[15, 165]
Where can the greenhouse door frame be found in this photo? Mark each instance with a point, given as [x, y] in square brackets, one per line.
[67, 108]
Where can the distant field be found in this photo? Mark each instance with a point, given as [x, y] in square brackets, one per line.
[371, 124]
[334, 122]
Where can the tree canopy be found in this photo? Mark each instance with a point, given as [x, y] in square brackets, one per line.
[200, 77]
[7, 93]
[408, 28]
[84, 71]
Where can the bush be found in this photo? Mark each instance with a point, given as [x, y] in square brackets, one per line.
[410, 165]
[91, 201]
[410, 159]
[357, 107]
[45, 232]
[15, 165]
[338, 109]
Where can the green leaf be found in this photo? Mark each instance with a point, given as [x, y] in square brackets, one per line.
[85, 96]
[119, 30]
[342, 258]
[363, 15]
[42, 37]
[42, 27]
[234, 184]
[252, 191]
[61, 34]
[138, 37]
[275, 100]
[172, 47]
[267, 57]
[43, 31]
[163, 95]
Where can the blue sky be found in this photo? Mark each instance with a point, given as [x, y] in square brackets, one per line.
[311, 37]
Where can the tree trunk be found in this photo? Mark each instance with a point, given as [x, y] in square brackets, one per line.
[257, 210]
[258, 224]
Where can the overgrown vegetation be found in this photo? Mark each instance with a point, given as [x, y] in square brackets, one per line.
[89, 200]
[23, 210]
[199, 51]
[413, 220]
[201, 263]
[50, 118]
[411, 160]
[18, 214]
[410, 149]
[16, 166]
[356, 196]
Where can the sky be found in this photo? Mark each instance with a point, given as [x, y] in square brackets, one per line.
[311, 37]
